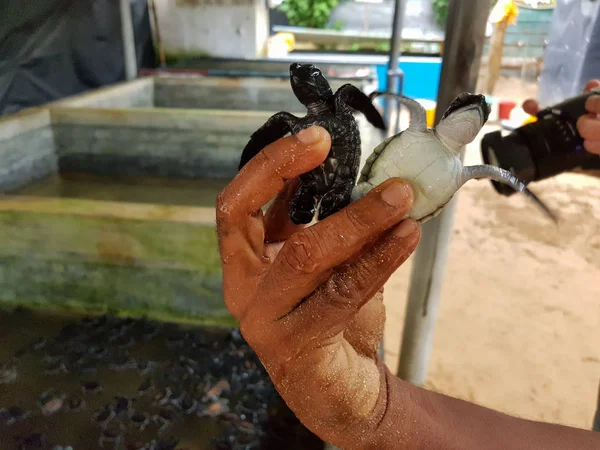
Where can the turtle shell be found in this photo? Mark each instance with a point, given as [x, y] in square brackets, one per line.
[366, 170]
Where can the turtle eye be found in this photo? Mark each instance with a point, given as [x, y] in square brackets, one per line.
[315, 73]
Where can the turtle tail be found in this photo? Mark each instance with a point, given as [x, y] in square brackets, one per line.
[418, 114]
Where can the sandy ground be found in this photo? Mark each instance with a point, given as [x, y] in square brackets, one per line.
[519, 322]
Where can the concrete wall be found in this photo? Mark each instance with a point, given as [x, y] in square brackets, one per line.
[173, 143]
[26, 149]
[138, 93]
[223, 28]
[263, 94]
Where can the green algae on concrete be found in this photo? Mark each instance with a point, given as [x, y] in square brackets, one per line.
[95, 255]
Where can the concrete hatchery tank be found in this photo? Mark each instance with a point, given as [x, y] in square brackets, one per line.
[114, 331]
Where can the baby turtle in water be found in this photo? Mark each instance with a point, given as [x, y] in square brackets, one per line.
[93, 387]
[331, 183]
[429, 158]
[51, 403]
[8, 373]
[13, 414]
[112, 434]
[139, 419]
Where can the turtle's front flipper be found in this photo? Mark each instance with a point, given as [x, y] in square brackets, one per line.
[277, 126]
[505, 177]
[358, 100]
[304, 202]
[418, 114]
[336, 199]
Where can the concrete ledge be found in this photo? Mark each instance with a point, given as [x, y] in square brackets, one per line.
[197, 92]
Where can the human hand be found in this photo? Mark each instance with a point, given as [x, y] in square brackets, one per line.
[588, 125]
[308, 299]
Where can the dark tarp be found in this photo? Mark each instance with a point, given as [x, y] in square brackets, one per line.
[55, 48]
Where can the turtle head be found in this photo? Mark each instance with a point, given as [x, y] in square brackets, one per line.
[463, 120]
[309, 84]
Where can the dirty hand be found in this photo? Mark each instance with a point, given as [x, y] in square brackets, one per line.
[309, 299]
[588, 125]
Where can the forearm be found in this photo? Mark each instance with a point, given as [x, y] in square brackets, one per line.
[407, 417]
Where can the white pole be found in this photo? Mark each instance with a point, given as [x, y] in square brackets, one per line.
[128, 40]
[465, 36]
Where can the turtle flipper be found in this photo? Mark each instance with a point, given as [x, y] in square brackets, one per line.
[276, 126]
[336, 199]
[418, 114]
[359, 101]
[505, 177]
[304, 202]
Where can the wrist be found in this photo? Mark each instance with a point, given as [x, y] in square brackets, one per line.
[398, 421]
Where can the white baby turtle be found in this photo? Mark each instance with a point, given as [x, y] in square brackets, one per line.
[429, 158]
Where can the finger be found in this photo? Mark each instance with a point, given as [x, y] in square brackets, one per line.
[591, 85]
[309, 255]
[530, 106]
[592, 146]
[365, 329]
[278, 225]
[332, 306]
[238, 208]
[592, 104]
[589, 128]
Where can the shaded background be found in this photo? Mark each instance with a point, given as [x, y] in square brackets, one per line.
[54, 48]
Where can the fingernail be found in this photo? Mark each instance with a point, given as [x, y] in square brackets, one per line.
[396, 194]
[405, 229]
[310, 135]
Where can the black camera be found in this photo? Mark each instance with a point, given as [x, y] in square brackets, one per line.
[544, 148]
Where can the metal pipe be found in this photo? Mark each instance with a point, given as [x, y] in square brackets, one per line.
[463, 45]
[394, 56]
[128, 40]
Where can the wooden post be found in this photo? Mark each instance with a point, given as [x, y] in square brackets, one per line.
[495, 55]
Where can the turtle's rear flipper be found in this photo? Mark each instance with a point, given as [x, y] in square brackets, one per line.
[336, 199]
[277, 126]
[418, 114]
[304, 203]
[505, 177]
[358, 100]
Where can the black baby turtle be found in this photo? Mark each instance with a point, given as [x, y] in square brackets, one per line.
[165, 418]
[112, 434]
[75, 403]
[331, 183]
[104, 416]
[139, 419]
[122, 362]
[123, 405]
[167, 444]
[13, 414]
[91, 387]
[55, 368]
[8, 373]
[146, 387]
[163, 396]
[32, 441]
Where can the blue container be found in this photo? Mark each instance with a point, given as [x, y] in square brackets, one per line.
[421, 76]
